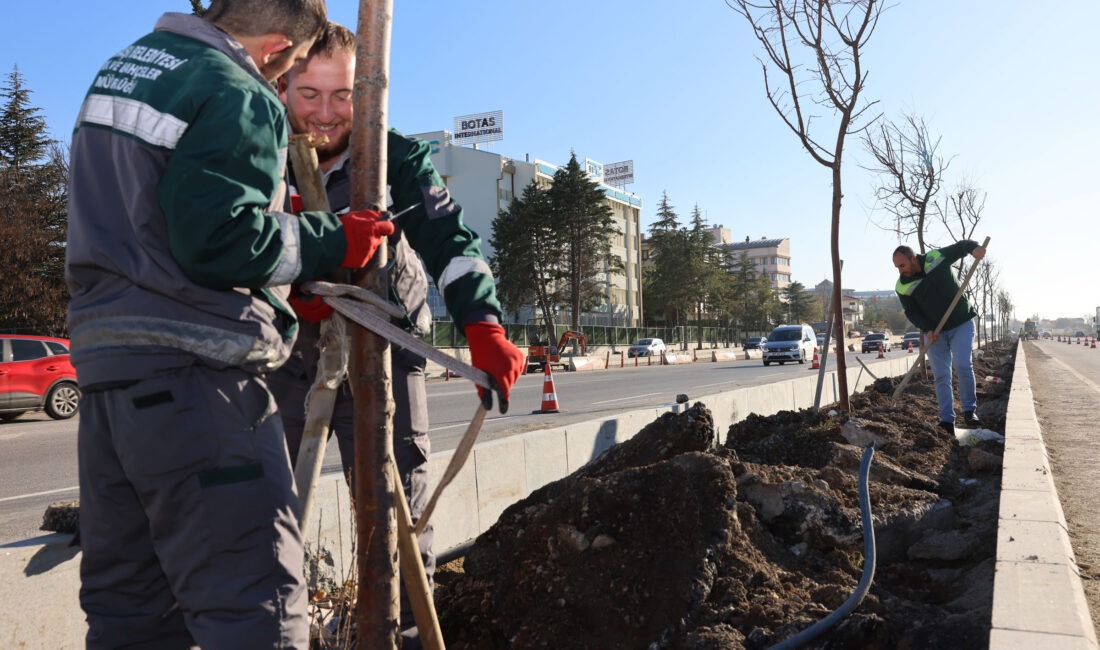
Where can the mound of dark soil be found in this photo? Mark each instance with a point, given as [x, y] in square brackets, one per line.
[666, 541]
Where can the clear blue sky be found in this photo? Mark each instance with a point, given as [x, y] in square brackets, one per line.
[1012, 88]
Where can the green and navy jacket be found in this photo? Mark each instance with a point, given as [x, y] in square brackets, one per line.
[179, 251]
[926, 296]
[431, 222]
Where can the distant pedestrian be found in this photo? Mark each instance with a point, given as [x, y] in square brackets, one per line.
[926, 286]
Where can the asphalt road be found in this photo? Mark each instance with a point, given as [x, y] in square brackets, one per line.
[38, 455]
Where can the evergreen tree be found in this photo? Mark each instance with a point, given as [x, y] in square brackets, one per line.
[586, 224]
[527, 259]
[33, 199]
[23, 135]
[667, 277]
[800, 303]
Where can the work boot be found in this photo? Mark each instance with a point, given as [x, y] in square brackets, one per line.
[971, 420]
[948, 427]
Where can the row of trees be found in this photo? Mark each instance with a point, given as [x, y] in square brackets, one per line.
[691, 279]
[553, 247]
[33, 210]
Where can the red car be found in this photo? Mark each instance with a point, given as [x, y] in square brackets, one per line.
[36, 374]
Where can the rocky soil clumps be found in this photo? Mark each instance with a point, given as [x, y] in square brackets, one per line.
[670, 540]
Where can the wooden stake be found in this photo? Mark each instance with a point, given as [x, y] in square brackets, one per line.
[330, 367]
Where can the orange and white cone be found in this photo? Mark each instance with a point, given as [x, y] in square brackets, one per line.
[816, 362]
[880, 354]
[549, 395]
[910, 347]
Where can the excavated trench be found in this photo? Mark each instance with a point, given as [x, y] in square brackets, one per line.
[674, 539]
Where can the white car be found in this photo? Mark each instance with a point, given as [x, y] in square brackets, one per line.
[790, 343]
[646, 347]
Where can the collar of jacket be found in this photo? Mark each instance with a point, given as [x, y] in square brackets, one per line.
[206, 32]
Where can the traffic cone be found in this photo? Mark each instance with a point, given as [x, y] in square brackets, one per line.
[910, 347]
[880, 354]
[549, 395]
[816, 362]
[1093, 342]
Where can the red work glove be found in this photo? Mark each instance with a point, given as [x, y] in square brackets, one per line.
[492, 352]
[364, 230]
[309, 307]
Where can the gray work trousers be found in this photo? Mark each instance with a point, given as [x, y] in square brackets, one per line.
[187, 516]
[411, 445]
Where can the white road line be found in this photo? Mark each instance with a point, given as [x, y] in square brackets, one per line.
[624, 399]
[39, 494]
[455, 426]
[1085, 380]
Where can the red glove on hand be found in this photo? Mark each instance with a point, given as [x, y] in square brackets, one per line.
[492, 352]
[296, 204]
[364, 230]
[309, 307]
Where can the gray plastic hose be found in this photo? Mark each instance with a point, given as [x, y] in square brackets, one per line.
[868, 565]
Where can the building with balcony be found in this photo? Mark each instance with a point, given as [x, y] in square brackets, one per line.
[484, 183]
[771, 257]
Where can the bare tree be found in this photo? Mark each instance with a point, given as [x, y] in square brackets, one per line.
[963, 211]
[817, 44]
[908, 160]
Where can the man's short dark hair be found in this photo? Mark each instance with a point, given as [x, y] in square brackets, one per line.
[334, 39]
[298, 20]
[904, 250]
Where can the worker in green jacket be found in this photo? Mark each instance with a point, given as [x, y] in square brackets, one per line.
[926, 286]
[318, 95]
[178, 263]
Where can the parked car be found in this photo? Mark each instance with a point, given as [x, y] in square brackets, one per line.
[36, 374]
[790, 343]
[874, 340]
[646, 347]
[821, 340]
[755, 342]
[910, 337]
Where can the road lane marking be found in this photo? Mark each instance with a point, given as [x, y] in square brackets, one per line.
[39, 494]
[1085, 380]
[624, 399]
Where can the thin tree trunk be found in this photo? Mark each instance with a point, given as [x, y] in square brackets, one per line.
[838, 312]
[378, 604]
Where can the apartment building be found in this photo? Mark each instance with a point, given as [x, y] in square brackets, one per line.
[484, 183]
[772, 257]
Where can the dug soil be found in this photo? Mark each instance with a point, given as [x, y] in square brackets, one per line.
[674, 539]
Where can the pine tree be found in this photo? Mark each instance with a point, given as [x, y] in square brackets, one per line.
[668, 275]
[527, 259]
[581, 212]
[23, 139]
[33, 198]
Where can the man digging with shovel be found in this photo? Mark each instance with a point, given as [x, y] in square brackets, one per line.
[934, 302]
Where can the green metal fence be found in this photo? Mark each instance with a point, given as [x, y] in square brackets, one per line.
[684, 337]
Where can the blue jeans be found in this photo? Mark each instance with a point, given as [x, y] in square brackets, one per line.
[952, 350]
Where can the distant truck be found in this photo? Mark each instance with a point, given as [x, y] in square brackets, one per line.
[1031, 332]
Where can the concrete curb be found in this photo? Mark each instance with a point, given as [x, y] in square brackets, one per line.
[1038, 598]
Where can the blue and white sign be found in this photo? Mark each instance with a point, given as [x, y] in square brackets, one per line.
[593, 169]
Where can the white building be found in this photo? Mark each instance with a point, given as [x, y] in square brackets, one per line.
[484, 183]
[772, 257]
